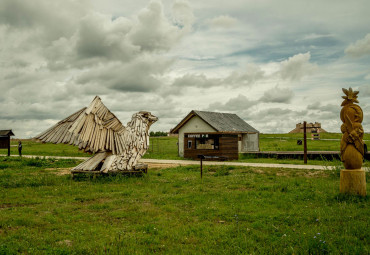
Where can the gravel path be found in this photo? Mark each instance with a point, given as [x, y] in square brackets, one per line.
[194, 162]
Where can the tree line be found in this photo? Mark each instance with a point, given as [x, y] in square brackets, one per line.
[158, 133]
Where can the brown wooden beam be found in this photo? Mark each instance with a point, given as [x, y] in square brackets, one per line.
[305, 142]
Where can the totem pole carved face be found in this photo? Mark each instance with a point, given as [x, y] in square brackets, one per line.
[352, 145]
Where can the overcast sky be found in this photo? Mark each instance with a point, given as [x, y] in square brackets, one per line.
[274, 63]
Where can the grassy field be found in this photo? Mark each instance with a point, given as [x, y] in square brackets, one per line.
[172, 211]
[31, 147]
[160, 147]
[166, 148]
[288, 142]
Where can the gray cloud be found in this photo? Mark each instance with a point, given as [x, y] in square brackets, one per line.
[365, 91]
[360, 48]
[138, 75]
[153, 31]
[277, 95]
[167, 57]
[249, 76]
[196, 80]
[51, 19]
[234, 104]
[324, 108]
[269, 120]
[246, 77]
[99, 36]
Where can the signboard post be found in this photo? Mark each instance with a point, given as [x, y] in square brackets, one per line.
[5, 139]
[305, 142]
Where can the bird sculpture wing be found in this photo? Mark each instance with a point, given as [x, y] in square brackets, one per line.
[92, 129]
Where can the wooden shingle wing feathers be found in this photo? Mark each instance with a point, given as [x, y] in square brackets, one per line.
[96, 129]
[93, 128]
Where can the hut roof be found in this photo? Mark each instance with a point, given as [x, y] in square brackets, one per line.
[6, 133]
[221, 122]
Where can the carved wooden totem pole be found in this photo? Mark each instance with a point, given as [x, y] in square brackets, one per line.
[352, 178]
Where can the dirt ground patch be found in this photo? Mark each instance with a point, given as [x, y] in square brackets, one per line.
[314, 174]
[160, 166]
[60, 171]
[307, 174]
[66, 171]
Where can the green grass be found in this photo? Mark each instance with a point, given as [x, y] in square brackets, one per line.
[31, 147]
[288, 142]
[247, 158]
[172, 211]
[162, 148]
[166, 148]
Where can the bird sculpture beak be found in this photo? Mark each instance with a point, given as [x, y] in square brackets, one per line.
[153, 118]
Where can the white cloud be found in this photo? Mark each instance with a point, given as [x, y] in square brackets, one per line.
[173, 56]
[182, 14]
[223, 21]
[314, 36]
[153, 31]
[296, 67]
[360, 48]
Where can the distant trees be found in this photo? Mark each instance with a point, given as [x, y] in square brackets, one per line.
[158, 133]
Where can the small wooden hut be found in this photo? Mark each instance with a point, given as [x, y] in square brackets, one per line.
[215, 134]
[5, 139]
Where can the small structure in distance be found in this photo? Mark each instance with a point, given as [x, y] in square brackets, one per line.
[310, 128]
[5, 139]
[215, 134]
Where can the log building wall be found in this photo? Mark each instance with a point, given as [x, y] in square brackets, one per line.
[228, 147]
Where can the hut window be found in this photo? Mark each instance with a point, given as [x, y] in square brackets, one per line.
[189, 144]
[210, 143]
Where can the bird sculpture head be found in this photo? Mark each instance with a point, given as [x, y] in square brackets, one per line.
[147, 117]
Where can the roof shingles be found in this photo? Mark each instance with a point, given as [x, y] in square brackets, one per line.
[221, 122]
[225, 122]
[6, 133]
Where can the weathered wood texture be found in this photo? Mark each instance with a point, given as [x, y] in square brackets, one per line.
[352, 144]
[5, 139]
[228, 148]
[352, 149]
[353, 182]
[95, 129]
[4, 142]
[138, 169]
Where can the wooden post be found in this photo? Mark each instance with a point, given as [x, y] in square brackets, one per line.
[305, 142]
[353, 181]
[8, 146]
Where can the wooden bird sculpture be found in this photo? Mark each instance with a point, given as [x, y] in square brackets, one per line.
[95, 129]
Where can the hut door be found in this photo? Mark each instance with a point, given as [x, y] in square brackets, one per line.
[252, 142]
